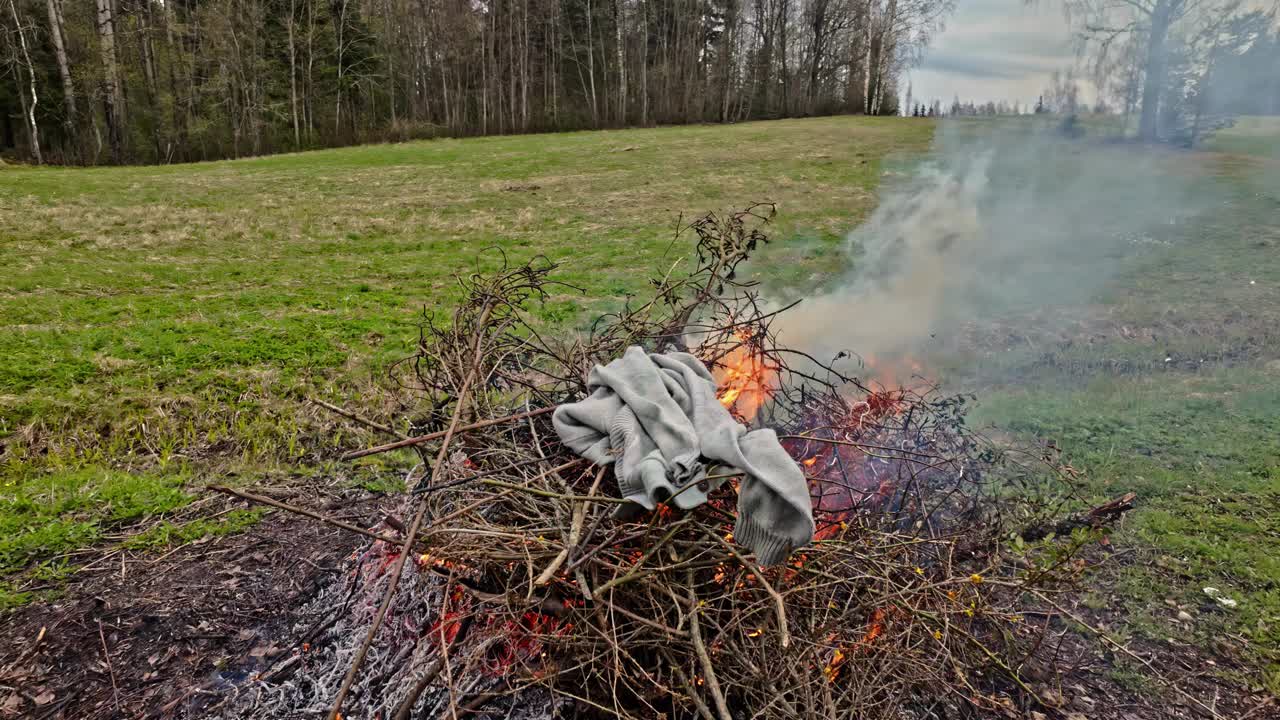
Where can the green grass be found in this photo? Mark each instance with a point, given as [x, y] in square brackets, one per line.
[163, 326]
[1202, 451]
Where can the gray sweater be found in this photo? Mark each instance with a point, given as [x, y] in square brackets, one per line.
[658, 417]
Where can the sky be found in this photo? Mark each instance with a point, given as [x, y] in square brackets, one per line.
[995, 50]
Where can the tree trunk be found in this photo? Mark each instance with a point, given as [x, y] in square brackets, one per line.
[392, 46]
[1153, 84]
[113, 103]
[29, 110]
[524, 67]
[146, 56]
[293, 75]
[873, 71]
[179, 120]
[644, 64]
[856, 89]
[727, 61]
[819, 27]
[337, 103]
[782, 42]
[64, 69]
[620, 55]
[308, 106]
[591, 68]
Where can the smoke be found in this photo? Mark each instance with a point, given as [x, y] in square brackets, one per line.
[992, 227]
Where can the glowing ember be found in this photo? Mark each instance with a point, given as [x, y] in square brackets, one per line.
[523, 640]
[876, 627]
[457, 605]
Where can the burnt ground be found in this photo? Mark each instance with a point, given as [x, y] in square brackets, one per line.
[171, 635]
[148, 634]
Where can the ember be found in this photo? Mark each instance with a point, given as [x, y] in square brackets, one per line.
[529, 594]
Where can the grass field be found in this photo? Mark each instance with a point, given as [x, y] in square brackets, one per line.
[1168, 384]
[163, 327]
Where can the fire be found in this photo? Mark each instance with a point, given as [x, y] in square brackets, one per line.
[428, 560]
[876, 627]
[832, 670]
[744, 381]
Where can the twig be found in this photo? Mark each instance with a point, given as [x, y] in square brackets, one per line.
[264, 500]
[406, 705]
[689, 690]
[780, 607]
[499, 471]
[550, 494]
[437, 435]
[645, 621]
[398, 567]
[695, 633]
[106, 654]
[362, 420]
[851, 443]
[575, 533]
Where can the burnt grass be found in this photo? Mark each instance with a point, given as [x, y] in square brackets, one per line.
[1167, 385]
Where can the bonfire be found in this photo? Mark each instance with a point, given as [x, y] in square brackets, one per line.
[505, 586]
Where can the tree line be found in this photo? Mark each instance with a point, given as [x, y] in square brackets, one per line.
[137, 81]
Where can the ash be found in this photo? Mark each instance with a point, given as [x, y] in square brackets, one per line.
[403, 661]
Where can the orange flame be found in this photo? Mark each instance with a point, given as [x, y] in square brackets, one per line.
[832, 670]
[744, 382]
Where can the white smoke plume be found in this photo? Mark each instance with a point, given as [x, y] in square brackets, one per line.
[989, 227]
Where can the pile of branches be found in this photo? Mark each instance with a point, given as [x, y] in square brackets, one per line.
[507, 586]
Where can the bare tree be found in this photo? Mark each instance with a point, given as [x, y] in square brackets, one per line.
[1104, 24]
[29, 108]
[64, 68]
[113, 102]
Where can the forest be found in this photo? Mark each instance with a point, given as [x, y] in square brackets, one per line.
[148, 81]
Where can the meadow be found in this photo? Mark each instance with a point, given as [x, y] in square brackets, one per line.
[164, 327]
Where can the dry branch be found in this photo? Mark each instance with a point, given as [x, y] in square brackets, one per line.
[407, 442]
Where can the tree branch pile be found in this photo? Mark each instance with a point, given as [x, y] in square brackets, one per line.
[518, 593]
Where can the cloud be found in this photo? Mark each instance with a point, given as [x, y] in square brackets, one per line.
[995, 50]
[999, 66]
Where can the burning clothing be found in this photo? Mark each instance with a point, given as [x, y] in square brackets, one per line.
[658, 418]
